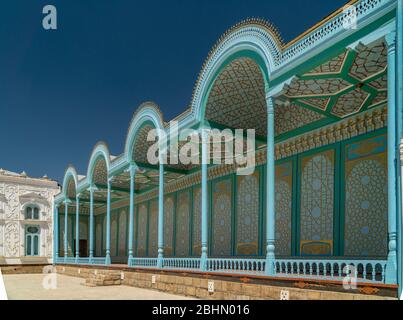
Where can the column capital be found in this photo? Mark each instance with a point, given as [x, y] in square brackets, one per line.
[132, 169]
[276, 90]
[390, 39]
[92, 188]
[270, 104]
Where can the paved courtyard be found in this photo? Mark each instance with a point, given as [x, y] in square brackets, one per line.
[29, 287]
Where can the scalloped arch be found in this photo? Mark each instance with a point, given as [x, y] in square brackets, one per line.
[100, 150]
[254, 39]
[148, 112]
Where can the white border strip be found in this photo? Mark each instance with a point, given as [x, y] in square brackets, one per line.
[3, 293]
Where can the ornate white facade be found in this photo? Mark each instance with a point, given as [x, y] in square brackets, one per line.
[20, 197]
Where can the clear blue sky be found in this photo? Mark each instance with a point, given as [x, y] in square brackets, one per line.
[62, 91]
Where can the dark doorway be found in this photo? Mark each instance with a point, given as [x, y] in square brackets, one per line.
[83, 248]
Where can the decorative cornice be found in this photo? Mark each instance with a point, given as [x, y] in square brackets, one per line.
[346, 129]
[29, 181]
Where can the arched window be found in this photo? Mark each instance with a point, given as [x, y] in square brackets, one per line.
[32, 213]
[32, 241]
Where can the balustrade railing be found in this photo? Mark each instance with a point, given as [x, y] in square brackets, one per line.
[236, 265]
[99, 260]
[181, 263]
[360, 270]
[83, 260]
[326, 269]
[143, 262]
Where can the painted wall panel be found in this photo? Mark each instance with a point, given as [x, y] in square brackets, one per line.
[222, 218]
[366, 199]
[284, 181]
[122, 232]
[142, 230]
[168, 225]
[317, 204]
[247, 225]
[182, 225]
[153, 230]
[196, 228]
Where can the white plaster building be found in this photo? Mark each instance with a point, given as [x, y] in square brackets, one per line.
[26, 219]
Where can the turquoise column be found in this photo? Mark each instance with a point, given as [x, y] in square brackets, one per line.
[77, 227]
[161, 218]
[65, 246]
[56, 234]
[270, 189]
[400, 129]
[108, 225]
[91, 223]
[131, 213]
[204, 199]
[391, 267]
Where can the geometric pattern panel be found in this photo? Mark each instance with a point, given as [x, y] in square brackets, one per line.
[237, 98]
[122, 233]
[315, 87]
[222, 218]
[100, 173]
[142, 230]
[141, 145]
[317, 204]
[344, 85]
[114, 234]
[291, 117]
[248, 214]
[98, 238]
[350, 103]
[370, 60]
[196, 227]
[153, 230]
[366, 205]
[284, 182]
[169, 207]
[332, 66]
[182, 225]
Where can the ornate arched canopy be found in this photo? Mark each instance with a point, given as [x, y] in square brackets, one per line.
[146, 118]
[70, 182]
[99, 164]
[237, 98]
[255, 39]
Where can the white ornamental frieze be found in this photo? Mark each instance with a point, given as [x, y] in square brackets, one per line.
[11, 240]
[12, 202]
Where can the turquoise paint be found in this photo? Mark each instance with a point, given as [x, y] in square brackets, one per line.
[270, 189]
[399, 18]
[77, 228]
[262, 207]
[391, 268]
[91, 224]
[131, 212]
[204, 204]
[65, 228]
[161, 217]
[56, 234]
[108, 226]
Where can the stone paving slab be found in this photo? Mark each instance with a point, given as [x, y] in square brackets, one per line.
[29, 287]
